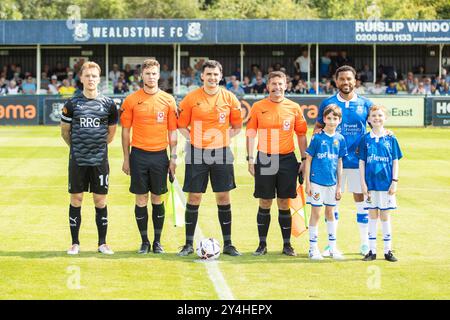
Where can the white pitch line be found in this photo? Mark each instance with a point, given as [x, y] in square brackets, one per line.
[215, 275]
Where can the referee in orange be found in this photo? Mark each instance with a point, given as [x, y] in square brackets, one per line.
[149, 118]
[274, 120]
[205, 117]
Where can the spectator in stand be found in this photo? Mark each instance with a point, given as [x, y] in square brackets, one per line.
[328, 88]
[18, 74]
[230, 83]
[359, 88]
[165, 77]
[324, 65]
[60, 71]
[290, 88]
[420, 71]
[128, 72]
[377, 89]
[258, 75]
[366, 74]
[13, 88]
[66, 90]
[427, 84]
[237, 72]
[266, 76]
[259, 87]
[440, 86]
[44, 82]
[120, 88]
[3, 87]
[434, 91]
[301, 87]
[54, 85]
[302, 65]
[411, 82]
[392, 88]
[10, 71]
[136, 77]
[343, 59]
[237, 89]
[71, 78]
[246, 85]
[295, 80]
[254, 73]
[29, 87]
[134, 87]
[420, 89]
[312, 89]
[114, 74]
[401, 86]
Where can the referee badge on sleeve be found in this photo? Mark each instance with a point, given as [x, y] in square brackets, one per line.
[286, 125]
[160, 117]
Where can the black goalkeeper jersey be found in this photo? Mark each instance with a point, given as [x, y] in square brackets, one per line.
[89, 119]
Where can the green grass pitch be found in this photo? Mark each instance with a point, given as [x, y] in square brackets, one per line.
[34, 234]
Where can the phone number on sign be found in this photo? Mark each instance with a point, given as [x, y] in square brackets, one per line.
[383, 37]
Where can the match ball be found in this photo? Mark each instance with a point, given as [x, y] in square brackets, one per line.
[208, 249]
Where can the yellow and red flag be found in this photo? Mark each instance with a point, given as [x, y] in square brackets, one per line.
[298, 213]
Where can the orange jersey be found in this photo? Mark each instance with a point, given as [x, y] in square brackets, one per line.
[275, 124]
[149, 116]
[209, 117]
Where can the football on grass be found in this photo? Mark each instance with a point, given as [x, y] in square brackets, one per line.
[208, 249]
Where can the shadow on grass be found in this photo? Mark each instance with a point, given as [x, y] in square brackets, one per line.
[245, 258]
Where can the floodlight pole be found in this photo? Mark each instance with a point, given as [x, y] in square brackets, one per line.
[242, 62]
[374, 63]
[179, 68]
[309, 64]
[107, 67]
[174, 70]
[38, 68]
[317, 69]
[441, 48]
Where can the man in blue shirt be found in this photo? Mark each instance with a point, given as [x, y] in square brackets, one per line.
[355, 110]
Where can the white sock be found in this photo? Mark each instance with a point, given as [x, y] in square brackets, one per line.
[373, 235]
[336, 213]
[331, 227]
[387, 238]
[362, 217]
[313, 238]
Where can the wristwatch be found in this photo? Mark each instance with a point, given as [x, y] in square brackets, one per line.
[173, 156]
[248, 158]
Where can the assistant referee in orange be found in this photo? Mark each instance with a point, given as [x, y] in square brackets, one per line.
[274, 120]
[149, 117]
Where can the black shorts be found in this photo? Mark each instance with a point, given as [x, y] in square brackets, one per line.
[214, 163]
[276, 175]
[148, 171]
[88, 178]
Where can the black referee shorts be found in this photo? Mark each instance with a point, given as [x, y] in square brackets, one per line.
[276, 176]
[204, 163]
[88, 178]
[148, 171]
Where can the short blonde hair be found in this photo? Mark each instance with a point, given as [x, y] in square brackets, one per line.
[148, 63]
[378, 107]
[89, 65]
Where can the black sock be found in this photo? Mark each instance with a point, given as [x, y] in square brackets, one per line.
[75, 223]
[191, 217]
[158, 220]
[284, 218]
[225, 223]
[142, 221]
[101, 219]
[263, 221]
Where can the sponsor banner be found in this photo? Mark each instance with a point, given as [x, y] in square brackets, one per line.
[441, 111]
[403, 112]
[53, 108]
[19, 110]
[198, 31]
[309, 104]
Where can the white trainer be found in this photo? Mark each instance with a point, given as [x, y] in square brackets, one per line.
[74, 249]
[337, 255]
[326, 252]
[315, 255]
[105, 249]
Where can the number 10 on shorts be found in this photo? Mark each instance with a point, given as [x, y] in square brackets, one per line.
[105, 181]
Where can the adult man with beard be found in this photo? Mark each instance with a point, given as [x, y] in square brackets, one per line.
[355, 110]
